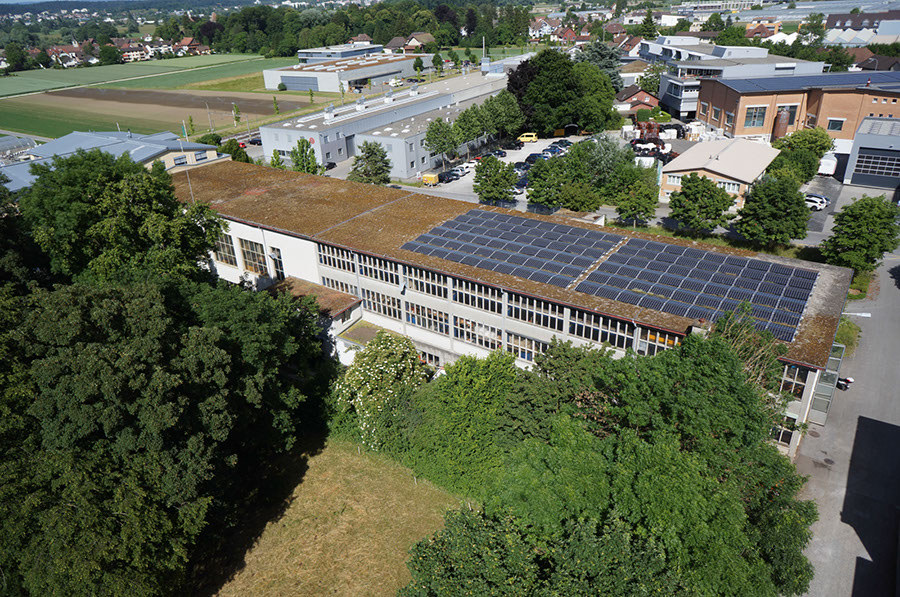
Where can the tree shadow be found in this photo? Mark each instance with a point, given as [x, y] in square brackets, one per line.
[895, 275]
[871, 505]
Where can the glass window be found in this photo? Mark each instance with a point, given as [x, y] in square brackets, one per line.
[477, 295]
[427, 282]
[382, 304]
[600, 329]
[327, 155]
[717, 113]
[674, 179]
[254, 256]
[835, 125]
[704, 107]
[341, 287]
[428, 318]
[379, 269]
[199, 156]
[729, 119]
[224, 250]
[336, 258]
[180, 160]
[275, 254]
[524, 348]
[756, 117]
[792, 113]
[477, 333]
[536, 312]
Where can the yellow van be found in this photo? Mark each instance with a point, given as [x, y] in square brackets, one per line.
[528, 137]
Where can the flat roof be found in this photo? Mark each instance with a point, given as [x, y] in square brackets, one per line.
[378, 221]
[884, 127]
[714, 62]
[883, 80]
[331, 302]
[419, 124]
[343, 48]
[348, 64]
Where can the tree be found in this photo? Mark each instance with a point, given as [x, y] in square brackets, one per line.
[96, 215]
[418, 65]
[774, 211]
[816, 140]
[503, 112]
[440, 138]
[190, 125]
[545, 182]
[454, 58]
[735, 35]
[700, 205]
[16, 57]
[468, 126]
[494, 180]
[802, 162]
[235, 113]
[637, 203]
[594, 111]
[110, 55]
[649, 81]
[714, 23]
[371, 165]
[311, 97]
[863, 232]
[437, 62]
[140, 408]
[210, 139]
[234, 149]
[303, 158]
[275, 101]
[647, 29]
[276, 162]
[603, 57]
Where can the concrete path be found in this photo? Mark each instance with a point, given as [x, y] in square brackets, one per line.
[852, 461]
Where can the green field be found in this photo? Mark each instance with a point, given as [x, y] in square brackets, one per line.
[182, 78]
[45, 80]
[38, 120]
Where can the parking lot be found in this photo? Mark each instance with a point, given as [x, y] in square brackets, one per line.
[462, 189]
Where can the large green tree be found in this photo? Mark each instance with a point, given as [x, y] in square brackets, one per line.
[136, 409]
[234, 149]
[863, 232]
[303, 158]
[503, 112]
[637, 203]
[603, 57]
[371, 165]
[494, 180]
[816, 140]
[700, 205]
[440, 138]
[774, 212]
[97, 215]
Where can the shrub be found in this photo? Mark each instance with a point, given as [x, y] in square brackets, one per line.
[643, 115]
[282, 87]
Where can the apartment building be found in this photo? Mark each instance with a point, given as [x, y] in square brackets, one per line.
[460, 279]
[838, 102]
[691, 59]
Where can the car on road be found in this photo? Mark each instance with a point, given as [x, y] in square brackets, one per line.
[533, 157]
[513, 145]
[817, 202]
[255, 141]
[528, 137]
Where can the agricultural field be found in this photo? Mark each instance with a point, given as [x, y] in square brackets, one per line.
[188, 78]
[45, 80]
[347, 530]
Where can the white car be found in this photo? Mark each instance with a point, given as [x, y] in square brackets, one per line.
[461, 170]
[817, 202]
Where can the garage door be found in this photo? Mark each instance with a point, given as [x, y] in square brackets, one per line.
[877, 168]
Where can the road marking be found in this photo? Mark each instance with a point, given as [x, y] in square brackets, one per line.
[859, 314]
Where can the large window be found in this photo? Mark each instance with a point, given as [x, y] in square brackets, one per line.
[428, 318]
[653, 341]
[598, 328]
[835, 124]
[793, 380]
[704, 108]
[717, 113]
[224, 250]
[477, 333]
[729, 119]
[731, 187]
[784, 433]
[792, 112]
[756, 117]
[381, 304]
[674, 179]
[535, 311]
[277, 262]
[427, 282]
[336, 258]
[379, 269]
[524, 348]
[477, 295]
[254, 256]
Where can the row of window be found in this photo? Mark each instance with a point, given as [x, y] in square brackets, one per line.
[253, 254]
[731, 187]
[755, 116]
[878, 165]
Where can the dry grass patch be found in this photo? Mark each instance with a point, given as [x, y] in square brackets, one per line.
[349, 527]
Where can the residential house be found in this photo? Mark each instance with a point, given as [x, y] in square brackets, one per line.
[733, 164]
[564, 35]
[771, 24]
[614, 28]
[876, 62]
[758, 32]
[633, 98]
[631, 72]
[362, 38]
[417, 42]
[542, 26]
[134, 53]
[844, 21]
[395, 46]
[838, 102]
[631, 46]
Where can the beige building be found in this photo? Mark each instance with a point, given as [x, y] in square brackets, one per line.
[836, 102]
[733, 164]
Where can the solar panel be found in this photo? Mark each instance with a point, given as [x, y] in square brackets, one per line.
[648, 276]
[608, 292]
[632, 298]
[640, 285]
[561, 281]
[674, 249]
[651, 302]
[675, 308]
[663, 291]
[659, 266]
[700, 313]
[797, 293]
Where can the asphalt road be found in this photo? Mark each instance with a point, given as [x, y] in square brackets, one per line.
[853, 460]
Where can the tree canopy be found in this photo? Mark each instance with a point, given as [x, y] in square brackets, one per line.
[371, 165]
[863, 232]
[303, 158]
[774, 211]
[700, 204]
[494, 180]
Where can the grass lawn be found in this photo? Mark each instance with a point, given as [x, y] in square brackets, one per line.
[351, 521]
[20, 116]
[848, 335]
[190, 78]
[252, 82]
[48, 79]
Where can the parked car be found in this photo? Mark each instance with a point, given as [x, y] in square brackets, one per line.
[564, 143]
[329, 165]
[448, 176]
[533, 157]
[517, 190]
[513, 145]
[553, 150]
[461, 170]
[522, 183]
[817, 202]
[528, 137]
[255, 141]
[522, 166]
[242, 144]
[498, 153]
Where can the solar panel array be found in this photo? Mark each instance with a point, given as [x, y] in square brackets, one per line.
[702, 284]
[527, 248]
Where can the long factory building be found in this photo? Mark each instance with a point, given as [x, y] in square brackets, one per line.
[459, 278]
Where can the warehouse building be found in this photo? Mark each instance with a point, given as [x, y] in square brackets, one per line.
[464, 280]
[339, 52]
[347, 74]
[875, 157]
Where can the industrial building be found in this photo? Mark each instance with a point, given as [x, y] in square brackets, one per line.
[345, 74]
[459, 279]
[333, 133]
[875, 157]
[339, 52]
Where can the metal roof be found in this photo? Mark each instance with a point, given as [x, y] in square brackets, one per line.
[885, 127]
[800, 82]
[738, 159]
[141, 148]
